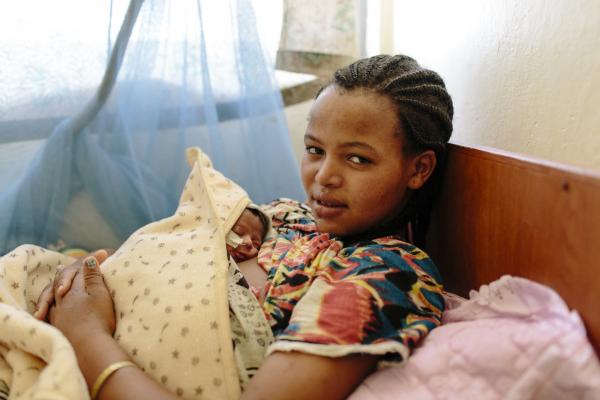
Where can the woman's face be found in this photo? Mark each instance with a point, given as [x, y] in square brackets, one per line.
[354, 170]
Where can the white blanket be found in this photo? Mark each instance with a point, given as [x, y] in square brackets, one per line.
[169, 286]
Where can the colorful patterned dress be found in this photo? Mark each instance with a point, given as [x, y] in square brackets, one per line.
[380, 296]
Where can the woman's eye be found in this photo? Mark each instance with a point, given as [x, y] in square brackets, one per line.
[358, 160]
[313, 150]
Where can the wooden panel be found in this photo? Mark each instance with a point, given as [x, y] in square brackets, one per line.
[500, 213]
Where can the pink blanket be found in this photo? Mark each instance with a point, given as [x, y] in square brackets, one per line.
[513, 339]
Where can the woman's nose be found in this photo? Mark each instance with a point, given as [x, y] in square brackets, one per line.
[328, 174]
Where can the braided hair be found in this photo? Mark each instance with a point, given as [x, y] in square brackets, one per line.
[424, 109]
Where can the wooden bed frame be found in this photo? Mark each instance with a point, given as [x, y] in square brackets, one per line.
[501, 213]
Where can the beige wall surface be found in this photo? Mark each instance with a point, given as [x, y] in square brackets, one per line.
[524, 75]
[297, 119]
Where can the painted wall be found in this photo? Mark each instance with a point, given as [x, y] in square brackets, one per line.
[297, 116]
[524, 75]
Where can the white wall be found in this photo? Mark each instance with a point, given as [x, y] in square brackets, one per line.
[524, 75]
[297, 119]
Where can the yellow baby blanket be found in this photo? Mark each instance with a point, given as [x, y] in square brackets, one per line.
[169, 286]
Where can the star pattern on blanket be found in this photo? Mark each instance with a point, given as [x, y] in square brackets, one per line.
[188, 247]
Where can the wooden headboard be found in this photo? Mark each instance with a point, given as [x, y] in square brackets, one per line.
[500, 213]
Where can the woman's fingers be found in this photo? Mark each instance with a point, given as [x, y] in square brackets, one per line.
[62, 282]
[87, 307]
[50, 314]
[44, 302]
[102, 254]
[66, 275]
[92, 276]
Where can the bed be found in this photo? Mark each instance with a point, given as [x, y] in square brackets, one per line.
[538, 222]
[502, 213]
[507, 337]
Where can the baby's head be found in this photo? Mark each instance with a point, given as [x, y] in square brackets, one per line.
[247, 234]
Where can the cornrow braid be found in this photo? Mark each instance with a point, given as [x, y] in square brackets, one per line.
[425, 111]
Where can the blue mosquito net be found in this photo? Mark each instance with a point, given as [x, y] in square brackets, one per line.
[97, 109]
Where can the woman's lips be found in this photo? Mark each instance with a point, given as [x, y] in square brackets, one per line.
[327, 208]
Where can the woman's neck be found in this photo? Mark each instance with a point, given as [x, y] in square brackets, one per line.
[391, 228]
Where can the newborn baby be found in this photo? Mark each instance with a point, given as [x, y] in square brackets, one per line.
[172, 282]
[245, 238]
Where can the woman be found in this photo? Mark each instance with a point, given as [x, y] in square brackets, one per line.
[339, 284]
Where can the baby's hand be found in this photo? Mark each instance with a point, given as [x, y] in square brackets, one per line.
[62, 283]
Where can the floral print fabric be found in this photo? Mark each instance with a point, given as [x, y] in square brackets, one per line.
[380, 296]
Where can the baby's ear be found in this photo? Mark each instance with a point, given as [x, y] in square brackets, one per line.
[423, 165]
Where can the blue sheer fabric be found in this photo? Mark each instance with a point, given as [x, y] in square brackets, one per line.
[88, 157]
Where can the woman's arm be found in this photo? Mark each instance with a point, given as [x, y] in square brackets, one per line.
[97, 352]
[283, 376]
[298, 376]
[85, 315]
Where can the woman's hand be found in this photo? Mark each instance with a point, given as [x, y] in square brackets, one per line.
[62, 283]
[85, 315]
[87, 308]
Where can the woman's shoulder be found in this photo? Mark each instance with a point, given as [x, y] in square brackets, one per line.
[381, 245]
[285, 212]
[391, 253]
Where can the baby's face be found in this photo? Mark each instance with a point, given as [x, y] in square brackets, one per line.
[249, 228]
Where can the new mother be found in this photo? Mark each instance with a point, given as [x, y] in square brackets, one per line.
[339, 283]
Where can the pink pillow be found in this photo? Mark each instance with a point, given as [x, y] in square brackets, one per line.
[513, 339]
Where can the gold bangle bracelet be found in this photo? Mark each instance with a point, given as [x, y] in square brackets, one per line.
[104, 375]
